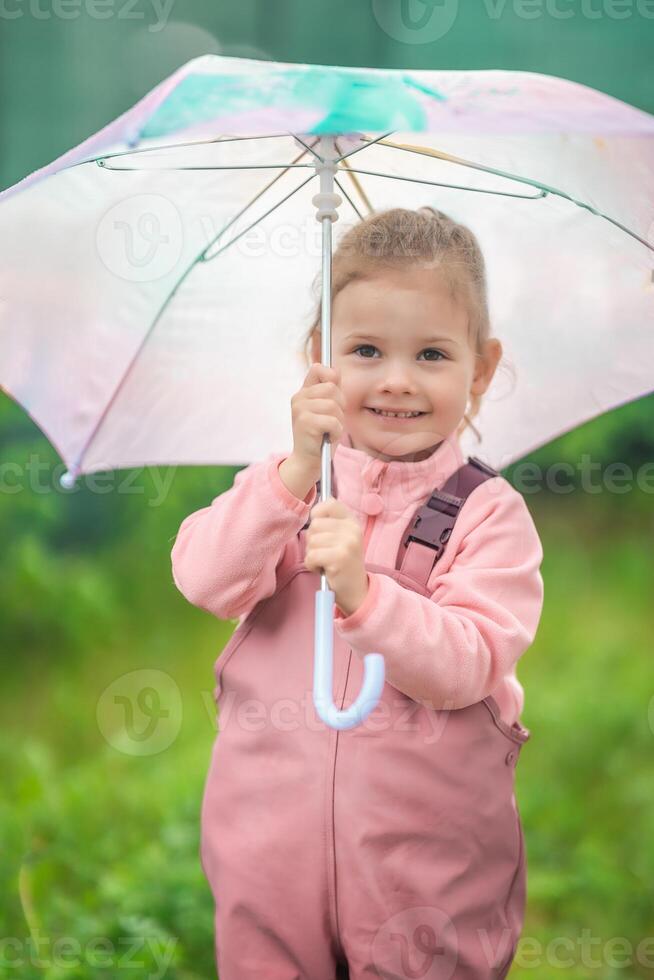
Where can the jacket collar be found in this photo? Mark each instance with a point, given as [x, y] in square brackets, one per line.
[398, 483]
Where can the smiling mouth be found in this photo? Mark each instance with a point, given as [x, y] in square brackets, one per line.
[396, 418]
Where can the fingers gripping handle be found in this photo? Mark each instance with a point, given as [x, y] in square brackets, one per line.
[373, 672]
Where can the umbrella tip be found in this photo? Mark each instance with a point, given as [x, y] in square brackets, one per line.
[68, 479]
[132, 136]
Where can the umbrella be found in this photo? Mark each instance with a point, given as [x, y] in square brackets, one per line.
[135, 312]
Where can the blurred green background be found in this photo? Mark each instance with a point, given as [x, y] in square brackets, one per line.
[99, 842]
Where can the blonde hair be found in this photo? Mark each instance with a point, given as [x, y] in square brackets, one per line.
[402, 238]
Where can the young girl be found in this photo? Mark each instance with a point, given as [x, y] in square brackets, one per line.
[393, 849]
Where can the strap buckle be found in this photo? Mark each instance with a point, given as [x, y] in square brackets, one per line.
[436, 527]
[451, 503]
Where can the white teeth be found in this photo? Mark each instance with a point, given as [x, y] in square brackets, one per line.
[397, 415]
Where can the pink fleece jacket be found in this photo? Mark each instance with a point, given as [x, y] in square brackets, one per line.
[452, 649]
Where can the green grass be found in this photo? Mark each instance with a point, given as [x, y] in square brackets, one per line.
[584, 785]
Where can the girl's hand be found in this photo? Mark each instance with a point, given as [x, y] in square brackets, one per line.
[318, 407]
[334, 542]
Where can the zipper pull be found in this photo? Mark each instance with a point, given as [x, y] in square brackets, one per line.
[376, 483]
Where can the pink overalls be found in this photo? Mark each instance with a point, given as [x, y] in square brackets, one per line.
[392, 850]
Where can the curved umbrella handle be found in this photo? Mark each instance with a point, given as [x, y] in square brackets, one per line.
[373, 672]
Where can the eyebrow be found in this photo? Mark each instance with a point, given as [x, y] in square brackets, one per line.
[427, 340]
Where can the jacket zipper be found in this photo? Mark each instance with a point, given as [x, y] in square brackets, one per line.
[368, 531]
[332, 869]
[371, 517]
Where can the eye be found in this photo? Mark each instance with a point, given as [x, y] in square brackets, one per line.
[427, 350]
[434, 351]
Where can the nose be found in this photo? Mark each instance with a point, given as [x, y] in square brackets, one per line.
[398, 378]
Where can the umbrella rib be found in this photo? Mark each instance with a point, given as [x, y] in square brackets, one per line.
[429, 152]
[216, 139]
[253, 166]
[449, 158]
[172, 146]
[75, 468]
[457, 187]
[357, 149]
[357, 184]
[209, 142]
[348, 198]
[310, 148]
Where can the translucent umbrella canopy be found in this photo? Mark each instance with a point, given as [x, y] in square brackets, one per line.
[155, 281]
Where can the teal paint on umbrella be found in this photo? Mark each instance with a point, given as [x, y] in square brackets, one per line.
[367, 102]
[353, 100]
[198, 98]
[414, 83]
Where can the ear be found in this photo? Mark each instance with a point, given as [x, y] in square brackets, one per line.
[485, 366]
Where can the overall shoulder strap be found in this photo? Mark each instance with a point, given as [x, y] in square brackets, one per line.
[425, 538]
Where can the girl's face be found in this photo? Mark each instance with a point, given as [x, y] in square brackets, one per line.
[400, 343]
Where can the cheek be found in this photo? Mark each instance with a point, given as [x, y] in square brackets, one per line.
[451, 383]
[354, 392]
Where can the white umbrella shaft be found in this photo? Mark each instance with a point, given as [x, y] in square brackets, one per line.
[373, 678]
